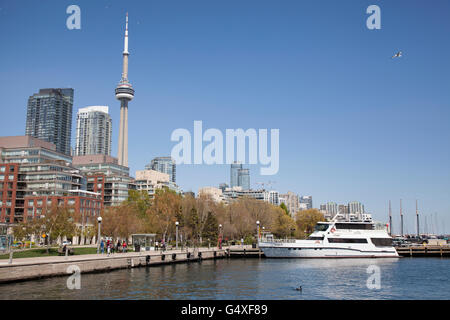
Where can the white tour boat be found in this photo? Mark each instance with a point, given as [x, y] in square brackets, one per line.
[345, 236]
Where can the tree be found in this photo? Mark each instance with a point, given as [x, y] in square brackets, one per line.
[163, 213]
[306, 221]
[283, 225]
[283, 206]
[121, 221]
[140, 200]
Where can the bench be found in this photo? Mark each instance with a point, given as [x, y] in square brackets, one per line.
[61, 251]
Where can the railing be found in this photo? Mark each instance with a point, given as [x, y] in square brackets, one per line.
[279, 240]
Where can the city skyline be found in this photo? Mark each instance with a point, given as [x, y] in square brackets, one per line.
[392, 158]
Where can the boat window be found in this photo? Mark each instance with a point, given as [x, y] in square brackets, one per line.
[359, 226]
[343, 240]
[321, 227]
[315, 238]
[382, 242]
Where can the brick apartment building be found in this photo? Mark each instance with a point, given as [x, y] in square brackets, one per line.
[34, 176]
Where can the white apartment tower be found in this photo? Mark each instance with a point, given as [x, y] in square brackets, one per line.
[94, 131]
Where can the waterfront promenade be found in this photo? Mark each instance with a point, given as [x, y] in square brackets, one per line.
[41, 267]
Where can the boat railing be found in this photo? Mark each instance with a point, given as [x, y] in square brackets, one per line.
[280, 240]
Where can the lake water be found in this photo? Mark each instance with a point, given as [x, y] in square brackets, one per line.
[243, 279]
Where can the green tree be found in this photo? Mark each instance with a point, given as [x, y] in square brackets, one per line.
[283, 206]
[306, 221]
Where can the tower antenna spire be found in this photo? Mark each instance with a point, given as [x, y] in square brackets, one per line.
[124, 93]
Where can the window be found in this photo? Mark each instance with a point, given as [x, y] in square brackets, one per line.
[343, 240]
[321, 227]
[315, 238]
[382, 242]
[358, 226]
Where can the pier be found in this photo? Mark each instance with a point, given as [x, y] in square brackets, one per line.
[43, 267]
[424, 251]
[246, 251]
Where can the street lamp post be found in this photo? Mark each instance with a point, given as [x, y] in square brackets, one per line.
[99, 219]
[257, 227]
[176, 225]
[220, 236]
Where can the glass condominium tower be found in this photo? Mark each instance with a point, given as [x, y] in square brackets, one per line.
[244, 179]
[94, 131]
[165, 165]
[239, 177]
[234, 176]
[49, 117]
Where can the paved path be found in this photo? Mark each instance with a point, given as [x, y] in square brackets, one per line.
[87, 257]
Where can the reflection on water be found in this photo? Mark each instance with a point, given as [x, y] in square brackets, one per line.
[406, 278]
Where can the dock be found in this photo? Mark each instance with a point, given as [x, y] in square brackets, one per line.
[246, 251]
[43, 267]
[424, 251]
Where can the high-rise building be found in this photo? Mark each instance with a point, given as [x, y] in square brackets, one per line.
[94, 130]
[239, 177]
[244, 179]
[332, 208]
[124, 93]
[291, 200]
[165, 165]
[355, 207]
[234, 176]
[307, 201]
[49, 117]
[342, 208]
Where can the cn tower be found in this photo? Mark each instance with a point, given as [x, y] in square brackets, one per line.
[124, 93]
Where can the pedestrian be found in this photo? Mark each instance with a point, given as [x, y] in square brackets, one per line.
[108, 247]
[119, 245]
[242, 241]
[124, 246]
[102, 246]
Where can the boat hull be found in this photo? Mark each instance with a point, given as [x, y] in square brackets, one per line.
[326, 252]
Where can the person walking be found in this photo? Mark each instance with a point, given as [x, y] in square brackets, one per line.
[108, 247]
[118, 246]
[102, 246]
[124, 246]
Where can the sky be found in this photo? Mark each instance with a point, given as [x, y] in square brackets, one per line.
[354, 124]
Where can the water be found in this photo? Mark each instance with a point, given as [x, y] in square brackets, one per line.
[243, 279]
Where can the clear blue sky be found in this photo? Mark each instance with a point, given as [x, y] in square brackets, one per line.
[354, 123]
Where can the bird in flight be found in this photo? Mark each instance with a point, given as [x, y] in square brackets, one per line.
[397, 55]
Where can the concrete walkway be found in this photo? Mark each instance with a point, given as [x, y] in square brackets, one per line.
[88, 257]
